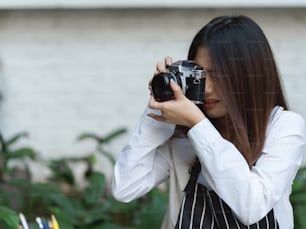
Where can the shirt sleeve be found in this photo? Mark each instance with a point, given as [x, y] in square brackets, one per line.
[144, 162]
[251, 193]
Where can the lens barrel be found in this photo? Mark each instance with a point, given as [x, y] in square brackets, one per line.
[161, 88]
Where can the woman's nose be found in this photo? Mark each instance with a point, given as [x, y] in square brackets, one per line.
[208, 86]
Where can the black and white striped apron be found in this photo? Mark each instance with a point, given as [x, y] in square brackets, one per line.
[203, 208]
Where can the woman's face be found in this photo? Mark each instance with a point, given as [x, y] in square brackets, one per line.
[213, 106]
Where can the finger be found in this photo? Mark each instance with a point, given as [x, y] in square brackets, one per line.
[176, 89]
[157, 117]
[150, 84]
[168, 60]
[150, 89]
[153, 104]
[161, 67]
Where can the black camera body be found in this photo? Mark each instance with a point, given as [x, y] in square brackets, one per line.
[187, 74]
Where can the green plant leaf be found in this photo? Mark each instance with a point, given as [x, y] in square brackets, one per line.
[114, 134]
[92, 159]
[9, 217]
[96, 188]
[298, 185]
[2, 144]
[102, 140]
[16, 137]
[89, 217]
[89, 136]
[299, 198]
[152, 213]
[21, 153]
[33, 225]
[113, 226]
[108, 155]
[110, 205]
[299, 216]
[62, 171]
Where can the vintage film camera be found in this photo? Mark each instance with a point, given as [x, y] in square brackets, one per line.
[187, 74]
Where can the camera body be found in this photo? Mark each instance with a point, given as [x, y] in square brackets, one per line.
[187, 74]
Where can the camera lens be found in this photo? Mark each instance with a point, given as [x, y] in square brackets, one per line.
[161, 87]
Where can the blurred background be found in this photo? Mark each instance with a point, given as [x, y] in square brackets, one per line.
[69, 67]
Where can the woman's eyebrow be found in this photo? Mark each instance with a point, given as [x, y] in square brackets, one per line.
[209, 70]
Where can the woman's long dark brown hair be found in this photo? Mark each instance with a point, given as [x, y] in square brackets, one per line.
[246, 77]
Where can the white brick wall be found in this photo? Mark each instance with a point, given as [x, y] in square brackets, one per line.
[66, 72]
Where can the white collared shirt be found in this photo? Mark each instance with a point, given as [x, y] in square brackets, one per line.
[152, 156]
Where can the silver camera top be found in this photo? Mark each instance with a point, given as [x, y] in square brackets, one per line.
[187, 68]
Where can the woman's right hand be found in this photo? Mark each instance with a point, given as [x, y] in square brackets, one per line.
[180, 110]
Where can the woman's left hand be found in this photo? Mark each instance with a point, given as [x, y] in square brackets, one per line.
[179, 111]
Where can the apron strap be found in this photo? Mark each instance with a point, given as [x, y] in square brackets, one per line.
[194, 172]
[203, 209]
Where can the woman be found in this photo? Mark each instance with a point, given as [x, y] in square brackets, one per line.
[243, 144]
